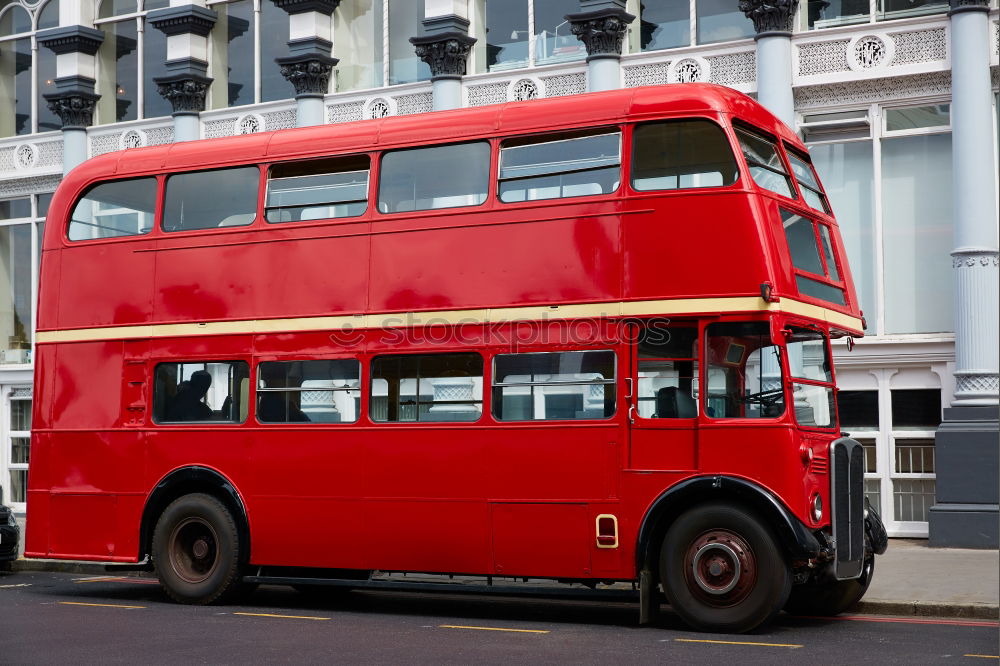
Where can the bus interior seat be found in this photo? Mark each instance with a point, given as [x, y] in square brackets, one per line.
[672, 403]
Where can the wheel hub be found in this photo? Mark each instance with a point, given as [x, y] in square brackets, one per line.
[193, 550]
[723, 568]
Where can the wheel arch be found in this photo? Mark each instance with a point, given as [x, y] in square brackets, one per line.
[185, 481]
[792, 535]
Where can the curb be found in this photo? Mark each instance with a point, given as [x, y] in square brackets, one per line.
[970, 611]
[977, 611]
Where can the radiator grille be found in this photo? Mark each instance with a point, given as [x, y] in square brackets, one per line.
[847, 497]
[819, 465]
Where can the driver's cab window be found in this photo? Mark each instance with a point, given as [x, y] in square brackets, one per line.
[209, 391]
[667, 386]
[744, 372]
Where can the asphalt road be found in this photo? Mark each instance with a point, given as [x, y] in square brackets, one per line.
[65, 618]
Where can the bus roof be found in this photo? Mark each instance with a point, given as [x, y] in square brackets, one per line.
[499, 119]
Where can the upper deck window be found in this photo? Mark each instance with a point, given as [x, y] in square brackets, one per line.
[119, 208]
[209, 199]
[563, 167]
[435, 177]
[678, 154]
[811, 249]
[766, 166]
[808, 182]
[317, 190]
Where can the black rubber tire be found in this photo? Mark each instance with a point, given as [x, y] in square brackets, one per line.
[744, 577]
[830, 598]
[196, 551]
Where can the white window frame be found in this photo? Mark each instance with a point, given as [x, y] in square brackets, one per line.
[13, 393]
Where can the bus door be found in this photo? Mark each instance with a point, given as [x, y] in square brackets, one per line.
[663, 396]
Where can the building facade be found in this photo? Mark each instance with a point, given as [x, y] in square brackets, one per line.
[883, 91]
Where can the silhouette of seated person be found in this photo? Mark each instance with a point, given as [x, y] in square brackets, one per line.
[279, 406]
[188, 403]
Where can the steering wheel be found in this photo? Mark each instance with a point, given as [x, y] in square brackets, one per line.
[765, 398]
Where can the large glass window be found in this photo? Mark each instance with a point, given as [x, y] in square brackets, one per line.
[663, 25]
[15, 293]
[893, 9]
[405, 21]
[554, 38]
[560, 167]
[507, 34]
[917, 233]
[118, 72]
[831, 13]
[209, 199]
[210, 391]
[359, 23]
[744, 372]
[766, 166]
[427, 387]
[721, 21]
[317, 190]
[19, 445]
[681, 154]
[848, 174]
[120, 208]
[232, 44]
[327, 391]
[436, 177]
[272, 30]
[15, 71]
[554, 385]
[668, 372]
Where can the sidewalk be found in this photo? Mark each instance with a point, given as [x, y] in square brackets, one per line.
[910, 579]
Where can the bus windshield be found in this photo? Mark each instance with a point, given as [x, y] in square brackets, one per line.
[812, 380]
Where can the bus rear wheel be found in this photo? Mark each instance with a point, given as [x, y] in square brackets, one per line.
[196, 550]
[722, 570]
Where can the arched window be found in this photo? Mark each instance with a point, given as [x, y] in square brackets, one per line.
[45, 69]
[131, 56]
[15, 70]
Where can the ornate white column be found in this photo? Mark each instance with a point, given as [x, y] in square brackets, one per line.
[187, 27]
[967, 442]
[772, 19]
[310, 65]
[445, 45]
[75, 45]
[601, 26]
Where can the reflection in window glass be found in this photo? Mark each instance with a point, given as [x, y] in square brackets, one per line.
[815, 406]
[326, 391]
[506, 34]
[121, 208]
[801, 236]
[893, 9]
[664, 25]
[154, 56]
[274, 29]
[561, 168]
[15, 297]
[667, 386]
[405, 21]
[721, 21]
[820, 290]
[808, 184]
[830, 13]
[807, 356]
[45, 66]
[848, 173]
[554, 38]
[917, 228]
[208, 199]
[558, 385]
[918, 117]
[436, 177]
[430, 387]
[234, 54]
[681, 154]
[766, 167]
[358, 24]
[317, 190]
[744, 372]
[14, 208]
[15, 83]
[118, 73]
[212, 391]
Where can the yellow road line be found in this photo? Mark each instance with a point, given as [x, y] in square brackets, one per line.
[286, 617]
[697, 640]
[80, 603]
[983, 656]
[518, 631]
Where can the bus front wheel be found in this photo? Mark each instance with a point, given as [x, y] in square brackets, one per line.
[722, 570]
[831, 597]
[196, 550]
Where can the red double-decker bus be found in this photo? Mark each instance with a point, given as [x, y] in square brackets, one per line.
[583, 339]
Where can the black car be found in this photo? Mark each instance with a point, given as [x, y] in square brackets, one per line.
[10, 534]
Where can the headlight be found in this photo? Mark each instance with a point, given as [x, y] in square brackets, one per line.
[817, 508]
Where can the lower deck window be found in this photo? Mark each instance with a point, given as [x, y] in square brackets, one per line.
[202, 391]
[427, 387]
[554, 386]
[322, 391]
